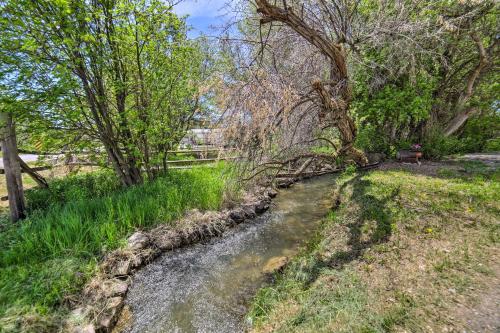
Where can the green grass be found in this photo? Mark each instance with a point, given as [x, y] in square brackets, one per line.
[398, 255]
[50, 255]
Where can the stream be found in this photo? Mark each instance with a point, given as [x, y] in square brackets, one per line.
[207, 287]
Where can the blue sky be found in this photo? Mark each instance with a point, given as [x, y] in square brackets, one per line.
[202, 14]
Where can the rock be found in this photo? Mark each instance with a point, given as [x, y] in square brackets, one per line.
[121, 268]
[271, 193]
[284, 183]
[106, 322]
[113, 306]
[237, 215]
[138, 241]
[275, 264]
[249, 211]
[84, 329]
[124, 320]
[229, 222]
[114, 287]
[167, 241]
[78, 314]
[261, 207]
[114, 303]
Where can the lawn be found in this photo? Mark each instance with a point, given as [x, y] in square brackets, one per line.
[46, 259]
[405, 252]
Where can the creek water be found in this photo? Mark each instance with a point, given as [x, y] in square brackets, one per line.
[207, 287]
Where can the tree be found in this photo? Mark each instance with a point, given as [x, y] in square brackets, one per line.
[334, 94]
[425, 68]
[290, 90]
[124, 74]
[11, 166]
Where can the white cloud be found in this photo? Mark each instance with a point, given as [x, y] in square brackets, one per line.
[200, 8]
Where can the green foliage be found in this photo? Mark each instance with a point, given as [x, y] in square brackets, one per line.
[119, 74]
[408, 83]
[479, 134]
[371, 140]
[51, 254]
[492, 145]
[72, 188]
[404, 103]
[482, 133]
[388, 116]
[437, 146]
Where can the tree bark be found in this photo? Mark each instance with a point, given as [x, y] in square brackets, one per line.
[17, 203]
[464, 113]
[335, 105]
[458, 121]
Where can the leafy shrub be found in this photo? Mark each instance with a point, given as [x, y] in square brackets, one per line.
[388, 116]
[481, 133]
[371, 141]
[492, 145]
[437, 146]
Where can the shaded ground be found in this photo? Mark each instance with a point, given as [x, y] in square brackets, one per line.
[411, 249]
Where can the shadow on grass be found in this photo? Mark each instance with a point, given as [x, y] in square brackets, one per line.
[373, 226]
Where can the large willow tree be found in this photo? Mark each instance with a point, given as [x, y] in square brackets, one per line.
[120, 72]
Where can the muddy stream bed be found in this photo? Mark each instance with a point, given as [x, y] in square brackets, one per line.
[207, 287]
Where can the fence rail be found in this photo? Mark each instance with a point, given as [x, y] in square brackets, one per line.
[174, 165]
[41, 168]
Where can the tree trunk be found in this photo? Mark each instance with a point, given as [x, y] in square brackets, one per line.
[335, 105]
[458, 121]
[17, 203]
[474, 76]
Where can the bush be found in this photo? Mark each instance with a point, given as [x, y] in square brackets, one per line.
[372, 141]
[437, 146]
[492, 145]
[480, 134]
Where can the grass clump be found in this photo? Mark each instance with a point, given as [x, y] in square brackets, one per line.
[73, 188]
[49, 256]
[399, 254]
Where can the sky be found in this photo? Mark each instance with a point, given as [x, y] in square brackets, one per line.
[202, 15]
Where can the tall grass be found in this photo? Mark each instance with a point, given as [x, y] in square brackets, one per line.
[53, 252]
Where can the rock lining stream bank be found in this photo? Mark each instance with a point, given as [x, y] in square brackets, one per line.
[103, 297]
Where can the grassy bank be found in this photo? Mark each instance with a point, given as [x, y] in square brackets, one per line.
[48, 257]
[404, 252]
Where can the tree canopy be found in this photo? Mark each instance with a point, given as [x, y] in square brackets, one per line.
[121, 74]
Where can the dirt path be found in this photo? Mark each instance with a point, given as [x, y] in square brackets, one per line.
[484, 315]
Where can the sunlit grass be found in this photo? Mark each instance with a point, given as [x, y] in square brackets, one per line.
[398, 254]
[52, 253]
